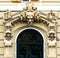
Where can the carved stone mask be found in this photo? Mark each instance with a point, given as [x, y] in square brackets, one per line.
[30, 14]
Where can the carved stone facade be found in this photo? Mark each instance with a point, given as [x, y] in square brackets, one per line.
[13, 22]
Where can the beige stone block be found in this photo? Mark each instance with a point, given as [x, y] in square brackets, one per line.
[1, 22]
[1, 13]
[58, 43]
[58, 28]
[1, 50]
[8, 52]
[1, 43]
[58, 56]
[51, 52]
[58, 22]
[58, 51]
[1, 35]
[59, 15]
[1, 56]
[2, 28]
[58, 36]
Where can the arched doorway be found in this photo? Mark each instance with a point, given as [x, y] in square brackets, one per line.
[30, 44]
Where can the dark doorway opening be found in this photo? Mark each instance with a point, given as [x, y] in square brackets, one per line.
[30, 44]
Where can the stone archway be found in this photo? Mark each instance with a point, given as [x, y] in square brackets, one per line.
[29, 44]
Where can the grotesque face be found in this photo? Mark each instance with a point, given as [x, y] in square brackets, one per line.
[30, 14]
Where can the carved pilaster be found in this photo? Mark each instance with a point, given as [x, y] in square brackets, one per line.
[52, 37]
[51, 42]
[8, 41]
[8, 35]
[52, 29]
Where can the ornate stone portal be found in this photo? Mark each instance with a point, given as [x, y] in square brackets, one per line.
[29, 16]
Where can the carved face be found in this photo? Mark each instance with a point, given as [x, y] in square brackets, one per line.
[30, 14]
[8, 36]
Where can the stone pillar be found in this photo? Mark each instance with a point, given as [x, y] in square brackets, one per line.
[51, 42]
[8, 36]
[8, 44]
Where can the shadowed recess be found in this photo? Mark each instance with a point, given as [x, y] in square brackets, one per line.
[30, 44]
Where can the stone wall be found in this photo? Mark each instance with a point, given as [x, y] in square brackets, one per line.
[58, 36]
[2, 29]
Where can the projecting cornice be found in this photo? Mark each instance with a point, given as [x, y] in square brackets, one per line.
[29, 15]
